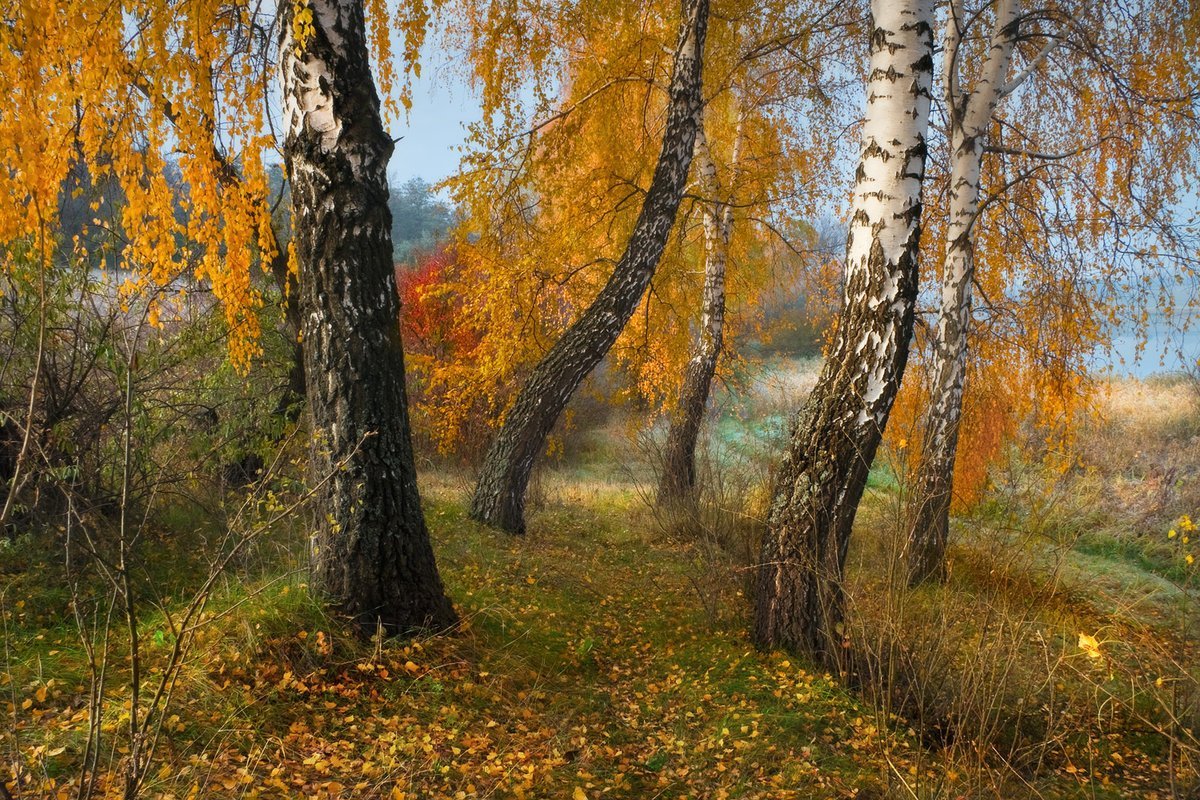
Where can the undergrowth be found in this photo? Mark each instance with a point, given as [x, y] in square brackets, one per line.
[605, 654]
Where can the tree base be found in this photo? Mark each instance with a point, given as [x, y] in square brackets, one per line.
[502, 508]
[928, 536]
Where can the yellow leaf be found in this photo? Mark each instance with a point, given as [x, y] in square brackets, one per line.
[1089, 645]
[579, 794]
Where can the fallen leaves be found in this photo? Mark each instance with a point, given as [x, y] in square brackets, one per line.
[602, 680]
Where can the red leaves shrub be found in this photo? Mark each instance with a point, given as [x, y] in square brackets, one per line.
[431, 319]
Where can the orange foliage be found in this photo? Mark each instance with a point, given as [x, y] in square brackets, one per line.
[441, 344]
[1071, 247]
[431, 318]
[118, 88]
[132, 90]
[554, 176]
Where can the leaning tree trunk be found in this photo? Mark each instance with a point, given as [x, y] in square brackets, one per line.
[800, 597]
[678, 480]
[499, 498]
[371, 555]
[970, 115]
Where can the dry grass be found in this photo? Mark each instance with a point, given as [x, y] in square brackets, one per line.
[1143, 448]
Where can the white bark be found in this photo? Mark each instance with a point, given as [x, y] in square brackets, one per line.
[970, 113]
[718, 227]
[970, 116]
[889, 182]
[888, 188]
[800, 603]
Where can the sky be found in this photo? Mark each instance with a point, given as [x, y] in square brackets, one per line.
[442, 107]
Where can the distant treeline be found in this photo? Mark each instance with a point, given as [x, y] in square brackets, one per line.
[420, 219]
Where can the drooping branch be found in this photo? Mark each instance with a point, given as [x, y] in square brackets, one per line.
[277, 260]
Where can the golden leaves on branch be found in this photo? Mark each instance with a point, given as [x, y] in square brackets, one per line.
[554, 176]
[302, 26]
[164, 103]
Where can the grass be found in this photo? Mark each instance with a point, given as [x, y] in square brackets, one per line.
[601, 656]
[585, 660]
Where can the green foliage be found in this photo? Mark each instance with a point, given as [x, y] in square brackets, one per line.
[421, 220]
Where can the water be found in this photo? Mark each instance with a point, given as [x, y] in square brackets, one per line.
[1166, 350]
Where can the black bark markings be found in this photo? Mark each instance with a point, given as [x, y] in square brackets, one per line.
[800, 601]
[499, 498]
[371, 554]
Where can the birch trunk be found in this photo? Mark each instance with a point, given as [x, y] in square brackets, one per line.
[970, 115]
[678, 481]
[499, 498]
[800, 602]
[371, 556]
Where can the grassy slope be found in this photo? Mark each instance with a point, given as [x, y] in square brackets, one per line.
[598, 658]
[585, 661]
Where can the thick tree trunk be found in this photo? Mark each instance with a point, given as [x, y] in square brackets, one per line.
[678, 480]
[970, 115]
[371, 555]
[499, 498]
[800, 597]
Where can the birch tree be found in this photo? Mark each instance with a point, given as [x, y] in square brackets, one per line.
[371, 556]
[550, 190]
[678, 479]
[160, 94]
[499, 498]
[969, 111]
[800, 597]
[1080, 172]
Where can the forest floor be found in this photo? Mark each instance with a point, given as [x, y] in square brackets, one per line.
[605, 654]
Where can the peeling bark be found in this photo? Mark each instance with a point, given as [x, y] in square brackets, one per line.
[371, 556]
[970, 115]
[800, 601]
[678, 480]
[499, 498]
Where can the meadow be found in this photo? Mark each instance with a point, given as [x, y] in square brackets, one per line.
[605, 653]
